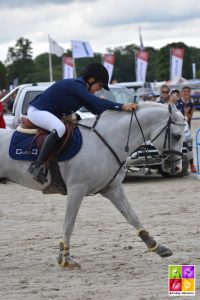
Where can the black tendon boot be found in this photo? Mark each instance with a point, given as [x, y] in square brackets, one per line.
[36, 168]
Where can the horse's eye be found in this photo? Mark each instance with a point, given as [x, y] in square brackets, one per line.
[177, 136]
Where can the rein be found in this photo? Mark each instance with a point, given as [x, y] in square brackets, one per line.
[121, 163]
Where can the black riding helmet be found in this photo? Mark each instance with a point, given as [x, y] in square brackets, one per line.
[98, 71]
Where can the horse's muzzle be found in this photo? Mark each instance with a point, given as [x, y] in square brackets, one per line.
[172, 167]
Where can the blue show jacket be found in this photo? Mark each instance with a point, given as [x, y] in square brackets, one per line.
[67, 96]
[181, 105]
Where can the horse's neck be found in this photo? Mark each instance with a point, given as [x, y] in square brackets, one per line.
[150, 119]
[114, 127]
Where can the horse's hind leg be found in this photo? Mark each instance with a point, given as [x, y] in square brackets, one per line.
[74, 200]
[116, 195]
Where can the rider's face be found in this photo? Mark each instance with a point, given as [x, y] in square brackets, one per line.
[95, 86]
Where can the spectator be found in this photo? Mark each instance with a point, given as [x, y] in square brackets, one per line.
[174, 96]
[146, 94]
[164, 94]
[186, 106]
[152, 96]
[114, 81]
[2, 122]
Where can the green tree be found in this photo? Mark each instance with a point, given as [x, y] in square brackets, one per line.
[124, 69]
[195, 58]
[21, 51]
[152, 64]
[21, 65]
[19, 61]
[163, 61]
[41, 64]
[3, 77]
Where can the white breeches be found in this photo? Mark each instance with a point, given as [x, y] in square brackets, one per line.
[46, 120]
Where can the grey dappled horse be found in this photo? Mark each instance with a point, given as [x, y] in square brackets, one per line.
[98, 167]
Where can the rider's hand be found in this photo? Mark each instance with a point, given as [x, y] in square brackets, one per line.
[129, 106]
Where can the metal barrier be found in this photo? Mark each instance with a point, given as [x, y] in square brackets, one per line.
[198, 152]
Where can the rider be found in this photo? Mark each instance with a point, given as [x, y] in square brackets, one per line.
[64, 98]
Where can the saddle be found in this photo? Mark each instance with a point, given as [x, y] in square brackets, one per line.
[57, 184]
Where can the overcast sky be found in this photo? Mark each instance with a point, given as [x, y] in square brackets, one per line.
[103, 23]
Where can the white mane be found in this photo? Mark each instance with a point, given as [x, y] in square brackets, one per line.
[153, 104]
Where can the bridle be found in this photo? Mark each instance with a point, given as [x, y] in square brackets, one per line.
[164, 154]
[169, 151]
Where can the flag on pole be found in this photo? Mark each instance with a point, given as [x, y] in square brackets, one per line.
[141, 61]
[109, 61]
[68, 67]
[176, 65]
[142, 58]
[54, 48]
[81, 49]
[141, 42]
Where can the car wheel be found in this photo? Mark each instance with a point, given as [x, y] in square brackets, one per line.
[185, 166]
[184, 172]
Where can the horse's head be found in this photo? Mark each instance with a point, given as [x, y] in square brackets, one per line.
[169, 141]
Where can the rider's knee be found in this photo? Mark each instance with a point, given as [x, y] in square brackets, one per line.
[61, 130]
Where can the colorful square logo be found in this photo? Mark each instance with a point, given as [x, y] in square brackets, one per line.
[187, 271]
[175, 272]
[181, 280]
[175, 284]
[188, 285]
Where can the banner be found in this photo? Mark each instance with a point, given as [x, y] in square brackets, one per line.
[54, 48]
[68, 67]
[108, 62]
[81, 49]
[141, 59]
[176, 63]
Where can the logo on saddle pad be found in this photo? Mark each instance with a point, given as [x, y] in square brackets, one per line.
[26, 152]
[23, 146]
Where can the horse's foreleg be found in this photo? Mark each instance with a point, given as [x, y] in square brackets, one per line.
[116, 195]
[74, 200]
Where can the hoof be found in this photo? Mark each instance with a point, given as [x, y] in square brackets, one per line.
[68, 263]
[65, 260]
[163, 251]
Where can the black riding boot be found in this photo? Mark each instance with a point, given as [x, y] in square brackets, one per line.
[36, 168]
